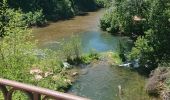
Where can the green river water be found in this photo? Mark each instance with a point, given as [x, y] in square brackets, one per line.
[101, 80]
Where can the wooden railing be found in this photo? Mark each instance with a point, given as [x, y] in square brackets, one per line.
[33, 92]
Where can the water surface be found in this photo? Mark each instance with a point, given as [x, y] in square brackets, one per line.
[101, 81]
[86, 27]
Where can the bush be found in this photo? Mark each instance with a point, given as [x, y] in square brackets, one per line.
[18, 56]
[146, 22]
[55, 9]
[88, 58]
[72, 50]
[103, 3]
[105, 20]
[119, 17]
[34, 18]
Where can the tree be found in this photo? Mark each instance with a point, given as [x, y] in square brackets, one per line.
[18, 54]
[153, 47]
[147, 21]
[120, 17]
[15, 48]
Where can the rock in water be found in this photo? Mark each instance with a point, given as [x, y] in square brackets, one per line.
[126, 65]
[66, 65]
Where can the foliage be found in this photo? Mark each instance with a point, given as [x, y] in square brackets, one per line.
[104, 3]
[14, 49]
[34, 18]
[117, 58]
[71, 50]
[121, 50]
[147, 21]
[119, 17]
[85, 5]
[88, 58]
[55, 9]
[105, 21]
[18, 54]
[152, 48]
[144, 51]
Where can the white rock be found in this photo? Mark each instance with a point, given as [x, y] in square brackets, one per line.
[75, 73]
[68, 81]
[35, 71]
[66, 65]
[125, 65]
[47, 74]
[38, 77]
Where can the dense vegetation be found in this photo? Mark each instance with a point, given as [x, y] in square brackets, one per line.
[21, 60]
[120, 17]
[36, 12]
[147, 22]
[18, 55]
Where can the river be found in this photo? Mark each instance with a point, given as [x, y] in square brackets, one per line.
[102, 80]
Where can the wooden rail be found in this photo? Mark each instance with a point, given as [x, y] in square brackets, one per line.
[33, 92]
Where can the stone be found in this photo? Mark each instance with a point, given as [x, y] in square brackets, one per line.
[46, 74]
[38, 77]
[68, 81]
[66, 65]
[36, 71]
[56, 77]
[75, 74]
[125, 65]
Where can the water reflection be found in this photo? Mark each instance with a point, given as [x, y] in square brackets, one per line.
[101, 81]
[91, 40]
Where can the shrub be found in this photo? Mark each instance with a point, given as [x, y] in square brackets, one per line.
[105, 20]
[88, 58]
[119, 18]
[103, 3]
[71, 50]
[34, 18]
[18, 56]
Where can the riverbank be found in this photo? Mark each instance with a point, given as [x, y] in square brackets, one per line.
[100, 81]
[55, 63]
[92, 38]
